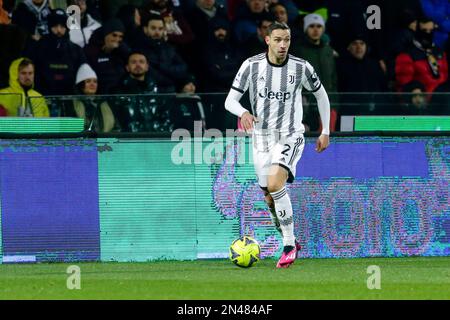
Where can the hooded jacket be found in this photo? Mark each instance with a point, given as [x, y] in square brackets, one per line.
[31, 17]
[15, 96]
[81, 36]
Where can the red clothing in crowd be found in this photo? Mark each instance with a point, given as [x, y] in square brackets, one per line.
[431, 70]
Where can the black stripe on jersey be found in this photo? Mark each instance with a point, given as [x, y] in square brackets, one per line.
[254, 71]
[265, 124]
[298, 81]
[281, 104]
[244, 78]
[237, 89]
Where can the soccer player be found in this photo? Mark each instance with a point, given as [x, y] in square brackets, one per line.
[275, 80]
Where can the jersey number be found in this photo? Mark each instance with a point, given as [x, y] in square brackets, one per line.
[285, 151]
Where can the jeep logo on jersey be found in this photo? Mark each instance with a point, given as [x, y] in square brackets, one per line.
[280, 95]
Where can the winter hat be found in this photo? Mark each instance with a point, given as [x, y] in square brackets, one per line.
[358, 36]
[113, 25]
[312, 18]
[219, 22]
[57, 17]
[85, 72]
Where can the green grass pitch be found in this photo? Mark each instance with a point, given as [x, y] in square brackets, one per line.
[401, 278]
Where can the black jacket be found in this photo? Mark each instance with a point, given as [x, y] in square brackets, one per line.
[110, 67]
[30, 19]
[57, 61]
[363, 75]
[170, 68]
[132, 86]
[222, 61]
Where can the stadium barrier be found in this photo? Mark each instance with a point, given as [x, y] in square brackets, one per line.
[123, 197]
[134, 113]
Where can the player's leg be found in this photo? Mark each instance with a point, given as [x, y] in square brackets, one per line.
[262, 162]
[285, 157]
[276, 186]
[271, 205]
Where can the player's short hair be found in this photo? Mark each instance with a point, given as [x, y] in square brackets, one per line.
[277, 25]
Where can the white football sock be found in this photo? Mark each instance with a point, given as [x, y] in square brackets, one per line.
[273, 216]
[283, 209]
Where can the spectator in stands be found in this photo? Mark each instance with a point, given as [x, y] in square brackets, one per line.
[440, 100]
[357, 72]
[21, 83]
[256, 44]
[13, 41]
[146, 112]
[236, 6]
[416, 99]
[401, 41]
[178, 30]
[188, 87]
[341, 16]
[97, 114]
[247, 18]
[169, 67]
[88, 25]
[424, 61]
[221, 58]
[317, 52]
[107, 54]
[439, 12]
[32, 15]
[279, 12]
[131, 19]
[110, 8]
[200, 16]
[138, 80]
[57, 58]
[4, 14]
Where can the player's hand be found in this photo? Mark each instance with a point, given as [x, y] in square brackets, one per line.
[247, 121]
[322, 142]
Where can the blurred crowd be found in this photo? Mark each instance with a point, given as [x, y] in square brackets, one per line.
[196, 46]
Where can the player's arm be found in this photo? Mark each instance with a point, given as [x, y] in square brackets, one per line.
[312, 83]
[323, 104]
[232, 104]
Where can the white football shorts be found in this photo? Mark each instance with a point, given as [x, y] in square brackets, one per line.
[276, 149]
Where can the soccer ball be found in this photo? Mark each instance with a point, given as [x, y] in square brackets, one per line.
[244, 252]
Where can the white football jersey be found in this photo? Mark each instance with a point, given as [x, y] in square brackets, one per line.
[275, 91]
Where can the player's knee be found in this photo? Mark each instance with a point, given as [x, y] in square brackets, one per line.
[275, 186]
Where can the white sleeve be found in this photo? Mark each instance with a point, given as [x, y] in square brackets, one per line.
[240, 85]
[232, 103]
[323, 104]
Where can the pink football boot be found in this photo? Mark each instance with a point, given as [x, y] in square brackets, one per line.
[287, 258]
